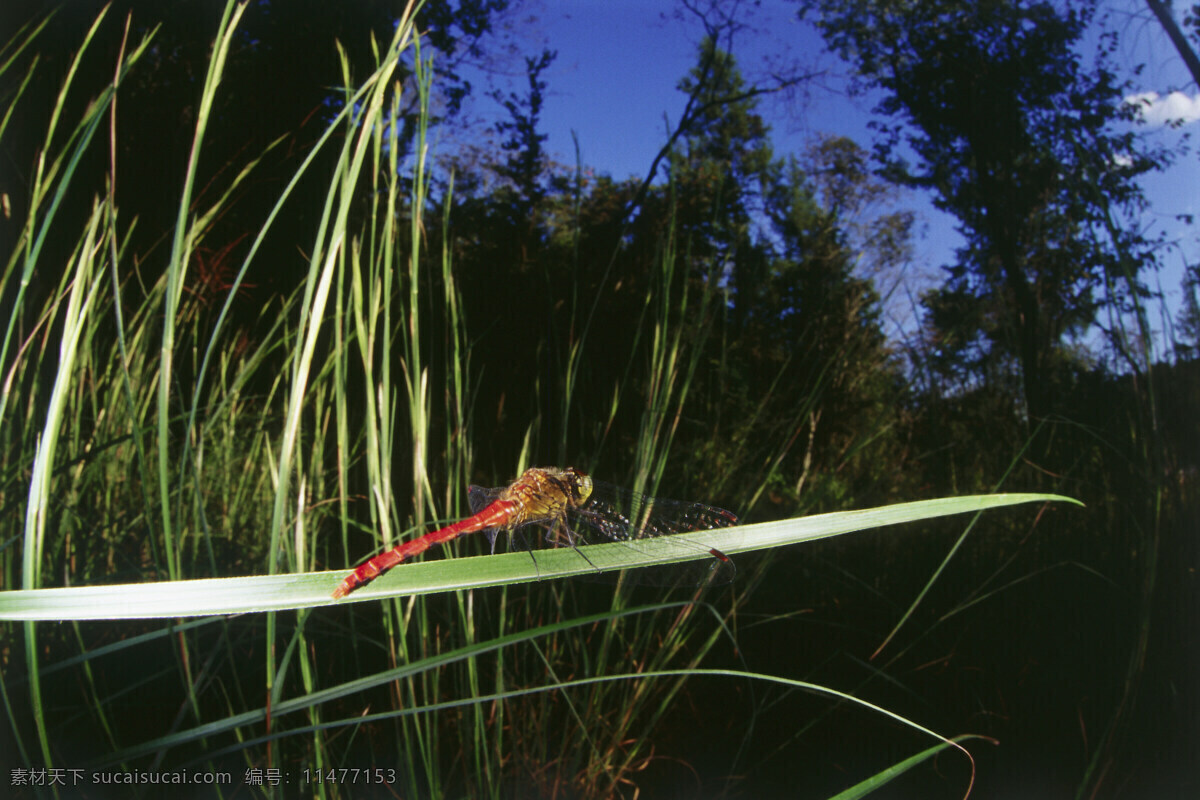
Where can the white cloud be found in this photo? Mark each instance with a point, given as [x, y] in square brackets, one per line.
[1175, 107]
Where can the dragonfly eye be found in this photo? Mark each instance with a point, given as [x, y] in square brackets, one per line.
[581, 485]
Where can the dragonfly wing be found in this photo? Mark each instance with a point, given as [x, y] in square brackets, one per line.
[620, 515]
[479, 498]
[615, 514]
[603, 521]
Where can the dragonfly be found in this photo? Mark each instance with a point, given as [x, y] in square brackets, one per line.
[568, 505]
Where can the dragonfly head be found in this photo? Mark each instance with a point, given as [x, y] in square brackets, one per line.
[580, 484]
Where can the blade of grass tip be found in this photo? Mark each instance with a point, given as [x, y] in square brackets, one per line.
[825, 690]
[884, 777]
[949, 555]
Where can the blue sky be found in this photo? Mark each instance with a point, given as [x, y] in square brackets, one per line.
[619, 61]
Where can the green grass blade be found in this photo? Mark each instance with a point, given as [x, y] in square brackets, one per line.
[884, 777]
[306, 590]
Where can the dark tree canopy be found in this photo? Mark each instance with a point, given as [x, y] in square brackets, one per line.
[724, 158]
[1019, 142]
[525, 166]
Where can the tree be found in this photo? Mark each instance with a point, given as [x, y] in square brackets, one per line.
[720, 166]
[1017, 141]
[813, 336]
[526, 160]
[1162, 11]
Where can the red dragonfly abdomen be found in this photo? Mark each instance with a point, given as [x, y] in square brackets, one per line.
[496, 515]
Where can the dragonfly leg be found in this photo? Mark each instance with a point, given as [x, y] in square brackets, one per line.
[575, 547]
[559, 533]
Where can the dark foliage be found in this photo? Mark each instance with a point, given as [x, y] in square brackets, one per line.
[1020, 143]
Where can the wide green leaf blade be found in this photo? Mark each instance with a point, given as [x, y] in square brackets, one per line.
[306, 590]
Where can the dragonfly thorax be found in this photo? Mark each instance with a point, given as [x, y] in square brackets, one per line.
[544, 495]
